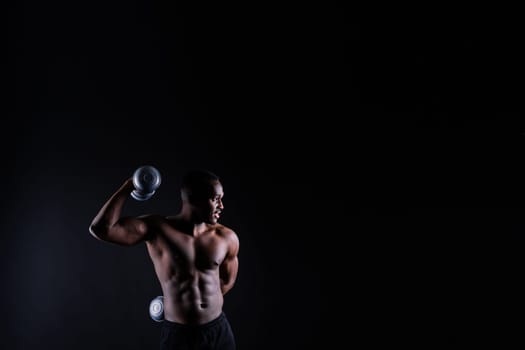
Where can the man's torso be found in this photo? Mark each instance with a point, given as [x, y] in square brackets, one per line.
[188, 270]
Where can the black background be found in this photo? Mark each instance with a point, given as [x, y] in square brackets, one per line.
[371, 159]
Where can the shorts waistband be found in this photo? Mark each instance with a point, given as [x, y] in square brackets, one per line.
[206, 325]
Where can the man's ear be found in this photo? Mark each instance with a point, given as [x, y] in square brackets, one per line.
[185, 195]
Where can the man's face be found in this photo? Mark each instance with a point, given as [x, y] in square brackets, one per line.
[208, 206]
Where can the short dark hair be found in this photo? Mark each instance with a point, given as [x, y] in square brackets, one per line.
[198, 181]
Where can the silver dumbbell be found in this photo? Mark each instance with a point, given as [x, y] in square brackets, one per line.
[156, 309]
[146, 180]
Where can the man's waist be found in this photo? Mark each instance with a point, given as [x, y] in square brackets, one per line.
[202, 325]
[192, 312]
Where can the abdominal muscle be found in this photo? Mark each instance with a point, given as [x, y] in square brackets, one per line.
[192, 298]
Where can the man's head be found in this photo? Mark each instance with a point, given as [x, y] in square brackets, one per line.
[202, 193]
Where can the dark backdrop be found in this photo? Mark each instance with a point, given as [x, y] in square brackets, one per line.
[371, 159]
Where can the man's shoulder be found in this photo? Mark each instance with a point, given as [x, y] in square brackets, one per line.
[220, 228]
[225, 231]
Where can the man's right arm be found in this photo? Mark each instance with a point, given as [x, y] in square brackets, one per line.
[110, 227]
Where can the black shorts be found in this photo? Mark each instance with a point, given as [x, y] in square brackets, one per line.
[214, 335]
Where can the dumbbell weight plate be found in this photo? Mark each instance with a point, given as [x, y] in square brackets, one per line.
[156, 309]
[146, 180]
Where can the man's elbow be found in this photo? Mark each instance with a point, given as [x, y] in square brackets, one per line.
[225, 287]
[98, 231]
